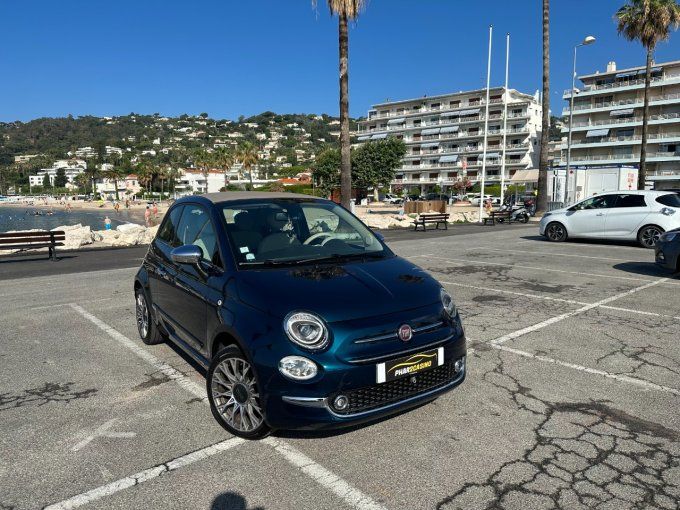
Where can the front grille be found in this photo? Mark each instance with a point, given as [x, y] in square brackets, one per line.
[379, 395]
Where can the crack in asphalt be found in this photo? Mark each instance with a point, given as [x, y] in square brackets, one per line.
[583, 455]
[41, 395]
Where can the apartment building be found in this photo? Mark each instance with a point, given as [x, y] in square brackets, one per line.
[607, 121]
[444, 136]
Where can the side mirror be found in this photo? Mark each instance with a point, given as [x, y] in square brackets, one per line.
[188, 254]
[379, 236]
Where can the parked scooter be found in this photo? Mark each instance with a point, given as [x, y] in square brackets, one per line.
[517, 213]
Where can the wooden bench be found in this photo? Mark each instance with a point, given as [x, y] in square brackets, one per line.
[437, 219]
[33, 240]
[499, 216]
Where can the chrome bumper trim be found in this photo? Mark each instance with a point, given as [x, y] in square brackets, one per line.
[305, 401]
[358, 361]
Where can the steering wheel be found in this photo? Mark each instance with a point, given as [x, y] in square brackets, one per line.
[317, 236]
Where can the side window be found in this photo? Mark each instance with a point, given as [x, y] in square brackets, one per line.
[601, 202]
[671, 200]
[196, 228]
[168, 230]
[631, 201]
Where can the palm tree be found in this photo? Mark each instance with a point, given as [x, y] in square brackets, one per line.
[542, 199]
[248, 157]
[647, 21]
[203, 161]
[346, 10]
[224, 159]
[144, 174]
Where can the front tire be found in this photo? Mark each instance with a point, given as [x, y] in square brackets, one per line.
[146, 327]
[649, 235]
[555, 232]
[234, 395]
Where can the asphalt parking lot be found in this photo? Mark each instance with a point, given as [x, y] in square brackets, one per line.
[571, 399]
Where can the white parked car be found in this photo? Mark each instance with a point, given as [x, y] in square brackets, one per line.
[494, 200]
[621, 215]
[392, 199]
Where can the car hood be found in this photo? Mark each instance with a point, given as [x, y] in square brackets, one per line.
[342, 291]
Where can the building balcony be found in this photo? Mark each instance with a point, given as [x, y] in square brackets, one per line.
[663, 118]
[622, 159]
[622, 85]
[624, 140]
[634, 103]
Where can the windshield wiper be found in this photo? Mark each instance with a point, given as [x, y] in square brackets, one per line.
[328, 258]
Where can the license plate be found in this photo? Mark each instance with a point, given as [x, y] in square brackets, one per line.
[409, 365]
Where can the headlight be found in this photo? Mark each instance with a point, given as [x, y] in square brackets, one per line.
[447, 303]
[297, 368]
[307, 330]
[545, 215]
[669, 236]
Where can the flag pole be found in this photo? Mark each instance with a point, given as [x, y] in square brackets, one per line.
[486, 127]
[505, 115]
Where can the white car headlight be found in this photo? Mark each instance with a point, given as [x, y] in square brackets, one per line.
[298, 368]
[306, 330]
[447, 303]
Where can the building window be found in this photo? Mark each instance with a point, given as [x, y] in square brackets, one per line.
[454, 104]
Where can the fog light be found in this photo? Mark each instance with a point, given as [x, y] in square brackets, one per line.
[297, 368]
[458, 365]
[341, 402]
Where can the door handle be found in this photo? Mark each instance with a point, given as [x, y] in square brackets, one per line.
[600, 214]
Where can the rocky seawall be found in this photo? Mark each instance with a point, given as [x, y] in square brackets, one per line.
[78, 236]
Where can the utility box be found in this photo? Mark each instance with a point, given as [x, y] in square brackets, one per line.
[586, 182]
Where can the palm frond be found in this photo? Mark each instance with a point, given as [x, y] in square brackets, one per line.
[349, 8]
[648, 21]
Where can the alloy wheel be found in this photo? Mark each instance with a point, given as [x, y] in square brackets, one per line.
[142, 312]
[650, 236]
[555, 232]
[235, 395]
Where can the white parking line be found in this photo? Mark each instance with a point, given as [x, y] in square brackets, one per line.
[559, 318]
[621, 378]
[327, 479]
[559, 300]
[535, 268]
[356, 499]
[145, 475]
[171, 373]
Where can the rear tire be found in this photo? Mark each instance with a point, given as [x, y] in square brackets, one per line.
[146, 327]
[649, 235]
[235, 396]
[524, 218]
[556, 232]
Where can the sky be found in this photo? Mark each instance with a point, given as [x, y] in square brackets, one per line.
[230, 58]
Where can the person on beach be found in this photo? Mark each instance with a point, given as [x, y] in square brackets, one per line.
[127, 203]
[117, 207]
[155, 211]
[147, 216]
[107, 223]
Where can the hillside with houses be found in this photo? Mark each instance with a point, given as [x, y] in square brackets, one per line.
[134, 153]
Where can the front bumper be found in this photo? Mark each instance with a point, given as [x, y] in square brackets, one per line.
[300, 407]
[666, 256]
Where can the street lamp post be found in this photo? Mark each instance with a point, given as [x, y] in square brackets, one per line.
[588, 40]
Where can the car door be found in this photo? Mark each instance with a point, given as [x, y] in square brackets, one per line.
[626, 216]
[587, 218]
[161, 269]
[195, 288]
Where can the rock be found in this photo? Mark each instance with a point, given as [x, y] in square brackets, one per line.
[76, 236]
[129, 234]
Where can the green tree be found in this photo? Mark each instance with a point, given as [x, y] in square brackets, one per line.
[375, 163]
[60, 179]
[326, 170]
[248, 157]
[542, 200]
[346, 10]
[46, 181]
[649, 22]
[224, 159]
[203, 161]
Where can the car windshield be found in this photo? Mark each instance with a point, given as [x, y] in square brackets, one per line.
[288, 232]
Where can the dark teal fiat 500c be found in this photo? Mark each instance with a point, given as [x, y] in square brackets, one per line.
[302, 315]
